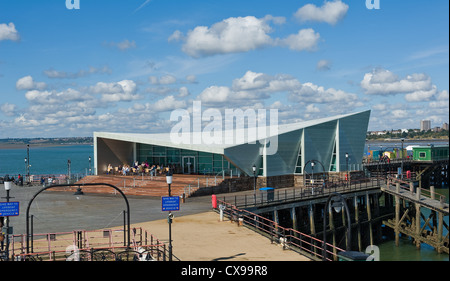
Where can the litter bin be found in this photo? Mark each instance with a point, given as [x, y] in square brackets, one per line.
[269, 191]
[352, 256]
[214, 201]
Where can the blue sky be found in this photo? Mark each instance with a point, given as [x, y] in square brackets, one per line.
[124, 66]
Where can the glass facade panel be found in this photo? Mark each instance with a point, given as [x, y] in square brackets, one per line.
[182, 160]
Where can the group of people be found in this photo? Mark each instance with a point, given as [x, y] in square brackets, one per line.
[18, 181]
[137, 169]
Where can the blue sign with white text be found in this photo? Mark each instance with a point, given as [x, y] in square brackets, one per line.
[171, 203]
[9, 209]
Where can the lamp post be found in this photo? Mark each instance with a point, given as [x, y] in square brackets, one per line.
[346, 166]
[26, 169]
[170, 217]
[312, 176]
[254, 183]
[401, 175]
[89, 165]
[68, 171]
[8, 184]
[28, 164]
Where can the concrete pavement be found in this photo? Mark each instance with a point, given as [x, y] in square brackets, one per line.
[196, 231]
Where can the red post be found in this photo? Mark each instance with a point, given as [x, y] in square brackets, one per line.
[214, 201]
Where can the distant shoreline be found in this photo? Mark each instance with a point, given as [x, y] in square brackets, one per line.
[407, 140]
[41, 145]
[24, 145]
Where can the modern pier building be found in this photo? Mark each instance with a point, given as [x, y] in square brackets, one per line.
[334, 142]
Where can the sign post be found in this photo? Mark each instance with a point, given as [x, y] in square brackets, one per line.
[170, 203]
[9, 209]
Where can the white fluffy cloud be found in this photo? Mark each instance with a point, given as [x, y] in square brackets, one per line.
[163, 80]
[241, 34]
[415, 87]
[330, 12]
[309, 92]
[168, 103]
[323, 65]
[231, 35]
[250, 81]
[124, 90]
[27, 83]
[215, 94]
[8, 109]
[305, 39]
[8, 32]
[254, 88]
[55, 97]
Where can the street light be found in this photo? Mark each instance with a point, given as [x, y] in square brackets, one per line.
[170, 217]
[346, 164]
[89, 165]
[169, 179]
[254, 183]
[401, 175]
[312, 177]
[8, 184]
[28, 164]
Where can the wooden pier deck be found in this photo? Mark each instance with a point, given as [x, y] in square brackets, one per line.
[408, 217]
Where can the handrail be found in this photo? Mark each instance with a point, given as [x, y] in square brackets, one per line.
[289, 238]
[114, 254]
[286, 195]
[424, 192]
[53, 246]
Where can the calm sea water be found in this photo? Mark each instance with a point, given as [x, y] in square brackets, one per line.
[53, 161]
[47, 160]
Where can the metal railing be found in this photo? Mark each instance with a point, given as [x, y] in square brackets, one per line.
[95, 245]
[289, 238]
[410, 187]
[286, 195]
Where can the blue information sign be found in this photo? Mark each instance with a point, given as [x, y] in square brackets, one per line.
[170, 203]
[9, 209]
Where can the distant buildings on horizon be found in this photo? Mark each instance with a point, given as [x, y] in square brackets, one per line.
[425, 125]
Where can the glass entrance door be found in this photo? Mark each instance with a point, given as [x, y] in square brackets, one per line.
[188, 164]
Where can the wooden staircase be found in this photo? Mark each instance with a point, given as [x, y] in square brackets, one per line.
[145, 186]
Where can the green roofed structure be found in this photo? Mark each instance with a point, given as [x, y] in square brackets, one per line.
[289, 149]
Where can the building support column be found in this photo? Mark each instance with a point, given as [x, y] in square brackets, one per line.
[333, 230]
[440, 231]
[358, 225]
[418, 229]
[265, 158]
[294, 219]
[369, 217]
[397, 216]
[311, 219]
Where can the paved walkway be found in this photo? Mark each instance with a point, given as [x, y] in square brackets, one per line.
[202, 237]
[197, 233]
